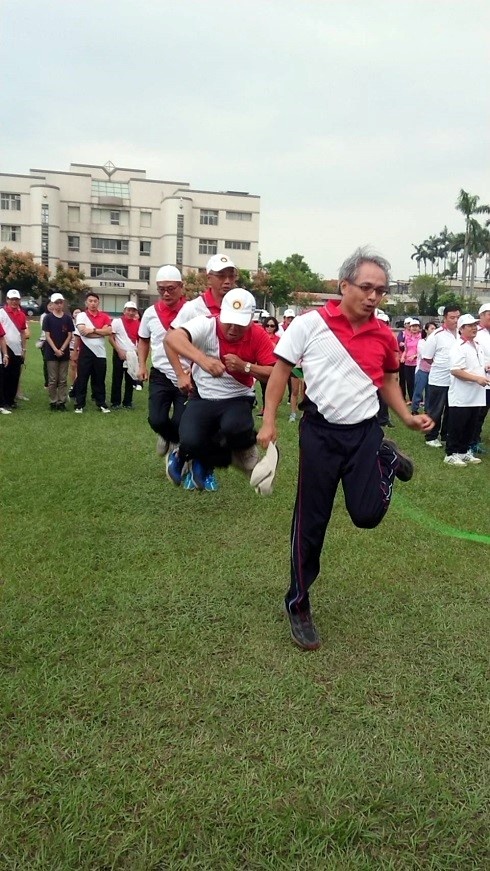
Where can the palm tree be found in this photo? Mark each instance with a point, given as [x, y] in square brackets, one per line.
[468, 205]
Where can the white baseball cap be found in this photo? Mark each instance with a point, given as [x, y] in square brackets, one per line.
[407, 321]
[168, 273]
[56, 297]
[13, 294]
[130, 304]
[381, 315]
[466, 321]
[237, 307]
[289, 313]
[219, 262]
[484, 308]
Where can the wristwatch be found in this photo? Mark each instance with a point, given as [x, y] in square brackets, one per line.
[248, 367]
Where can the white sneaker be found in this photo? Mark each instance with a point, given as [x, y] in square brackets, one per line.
[435, 443]
[162, 446]
[454, 460]
[78, 410]
[104, 409]
[470, 458]
[138, 387]
[5, 411]
[292, 417]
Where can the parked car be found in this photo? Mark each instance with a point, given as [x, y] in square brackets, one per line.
[30, 307]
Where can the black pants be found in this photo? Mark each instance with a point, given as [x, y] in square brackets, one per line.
[482, 413]
[461, 425]
[11, 377]
[211, 429]
[95, 368]
[383, 415]
[437, 409]
[2, 395]
[162, 396]
[402, 379]
[119, 373]
[330, 454]
[409, 380]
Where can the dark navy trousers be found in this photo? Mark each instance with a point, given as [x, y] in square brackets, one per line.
[330, 454]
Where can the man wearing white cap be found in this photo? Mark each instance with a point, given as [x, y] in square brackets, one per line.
[14, 322]
[124, 340]
[164, 395]
[92, 326]
[436, 352]
[58, 329]
[227, 353]
[483, 339]
[467, 392]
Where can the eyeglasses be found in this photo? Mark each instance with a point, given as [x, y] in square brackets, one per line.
[271, 326]
[225, 273]
[169, 289]
[368, 288]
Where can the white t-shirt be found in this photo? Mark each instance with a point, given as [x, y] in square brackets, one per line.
[469, 356]
[191, 309]
[12, 334]
[96, 344]
[438, 347]
[483, 339]
[152, 328]
[123, 341]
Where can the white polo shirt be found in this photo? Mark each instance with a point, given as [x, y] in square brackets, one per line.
[97, 344]
[438, 347]
[121, 337]
[471, 357]
[483, 339]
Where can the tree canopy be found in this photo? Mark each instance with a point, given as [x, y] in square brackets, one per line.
[19, 270]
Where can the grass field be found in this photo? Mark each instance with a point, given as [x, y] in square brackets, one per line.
[155, 714]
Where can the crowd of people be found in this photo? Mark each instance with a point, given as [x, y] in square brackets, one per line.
[343, 366]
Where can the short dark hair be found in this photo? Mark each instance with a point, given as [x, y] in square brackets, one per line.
[452, 307]
[92, 293]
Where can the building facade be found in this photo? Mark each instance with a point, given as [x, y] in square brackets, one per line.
[119, 227]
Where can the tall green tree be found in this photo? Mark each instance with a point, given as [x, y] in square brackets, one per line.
[286, 278]
[467, 204]
[69, 282]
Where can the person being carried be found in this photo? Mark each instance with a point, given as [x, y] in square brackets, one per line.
[347, 355]
[227, 353]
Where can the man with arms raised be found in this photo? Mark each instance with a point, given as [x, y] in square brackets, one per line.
[227, 352]
[347, 354]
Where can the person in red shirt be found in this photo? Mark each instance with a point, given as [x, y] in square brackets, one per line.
[13, 321]
[347, 355]
[227, 353]
[92, 326]
[124, 340]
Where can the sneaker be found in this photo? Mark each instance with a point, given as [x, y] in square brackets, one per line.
[115, 407]
[404, 469]
[104, 409]
[303, 630]
[5, 411]
[163, 446]
[262, 477]
[434, 443]
[174, 467]
[478, 448]
[188, 481]
[245, 460]
[454, 460]
[203, 477]
[78, 410]
[292, 417]
[138, 387]
[469, 457]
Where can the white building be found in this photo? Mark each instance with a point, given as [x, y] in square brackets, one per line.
[119, 227]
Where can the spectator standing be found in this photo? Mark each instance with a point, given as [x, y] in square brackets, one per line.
[3, 363]
[436, 354]
[92, 326]
[13, 321]
[124, 341]
[483, 339]
[422, 371]
[58, 328]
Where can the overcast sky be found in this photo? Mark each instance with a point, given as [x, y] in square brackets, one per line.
[356, 121]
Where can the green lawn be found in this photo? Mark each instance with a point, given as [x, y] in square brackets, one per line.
[155, 713]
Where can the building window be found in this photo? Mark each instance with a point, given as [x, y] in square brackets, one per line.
[74, 266]
[145, 249]
[110, 216]
[208, 246]
[145, 219]
[238, 246]
[179, 245]
[73, 243]
[239, 216]
[110, 189]
[10, 201]
[144, 273]
[208, 216]
[97, 269]
[10, 233]
[73, 214]
[113, 246]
